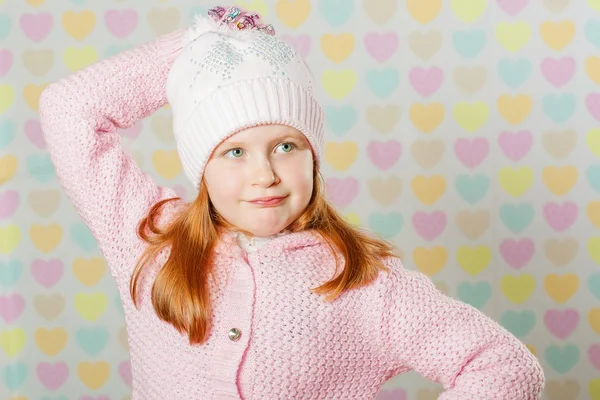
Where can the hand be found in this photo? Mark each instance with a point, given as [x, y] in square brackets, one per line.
[239, 18]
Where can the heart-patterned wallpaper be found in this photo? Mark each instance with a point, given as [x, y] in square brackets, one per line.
[466, 132]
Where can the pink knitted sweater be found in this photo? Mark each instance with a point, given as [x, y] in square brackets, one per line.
[292, 343]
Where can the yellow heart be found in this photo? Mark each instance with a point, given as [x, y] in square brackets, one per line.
[51, 341]
[93, 375]
[517, 289]
[163, 20]
[513, 36]
[337, 47]
[7, 96]
[473, 224]
[167, 163]
[593, 247]
[557, 35]
[46, 238]
[162, 127]
[595, 4]
[424, 11]
[380, 11]
[293, 13]
[559, 144]
[428, 190]
[560, 252]
[427, 153]
[38, 62]
[560, 390]
[561, 288]
[531, 348]
[9, 238]
[76, 59]
[44, 202]
[430, 261]
[90, 306]
[35, 3]
[8, 168]
[592, 67]
[427, 117]
[515, 182]
[338, 84]
[89, 272]
[471, 116]
[259, 6]
[383, 118]
[78, 24]
[49, 306]
[468, 10]
[352, 218]
[31, 93]
[341, 155]
[593, 213]
[592, 139]
[473, 260]
[594, 385]
[594, 319]
[12, 341]
[385, 191]
[559, 180]
[515, 109]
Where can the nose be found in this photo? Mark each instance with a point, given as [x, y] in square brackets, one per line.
[263, 174]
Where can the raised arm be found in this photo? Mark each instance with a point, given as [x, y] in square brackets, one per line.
[453, 343]
[80, 115]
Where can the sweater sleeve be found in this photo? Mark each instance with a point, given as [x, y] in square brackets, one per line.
[80, 115]
[453, 343]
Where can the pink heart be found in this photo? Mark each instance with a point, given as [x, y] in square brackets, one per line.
[426, 81]
[594, 355]
[471, 152]
[429, 226]
[560, 217]
[47, 273]
[515, 145]
[6, 61]
[381, 46]
[517, 253]
[94, 398]
[52, 375]
[384, 154]
[33, 130]
[121, 22]
[36, 26]
[125, 372]
[11, 307]
[561, 323]
[181, 191]
[593, 104]
[9, 202]
[512, 7]
[342, 191]
[558, 72]
[300, 43]
[132, 132]
[394, 394]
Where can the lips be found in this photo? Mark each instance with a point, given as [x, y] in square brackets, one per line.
[268, 201]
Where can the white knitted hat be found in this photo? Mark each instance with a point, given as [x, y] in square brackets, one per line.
[233, 73]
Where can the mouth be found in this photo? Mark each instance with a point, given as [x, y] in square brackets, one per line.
[268, 201]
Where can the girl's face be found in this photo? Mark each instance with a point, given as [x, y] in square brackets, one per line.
[261, 161]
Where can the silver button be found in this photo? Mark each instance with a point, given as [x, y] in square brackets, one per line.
[234, 334]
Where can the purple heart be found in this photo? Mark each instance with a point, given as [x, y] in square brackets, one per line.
[33, 130]
[342, 191]
[11, 307]
[6, 61]
[300, 43]
[558, 72]
[593, 104]
[517, 253]
[561, 323]
[9, 202]
[125, 372]
[47, 273]
[594, 355]
[472, 152]
[381, 46]
[384, 154]
[560, 217]
[36, 26]
[52, 375]
[516, 145]
[426, 81]
[429, 226]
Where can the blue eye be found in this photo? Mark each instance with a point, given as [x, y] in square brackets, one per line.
[292, 145]
[234, 150]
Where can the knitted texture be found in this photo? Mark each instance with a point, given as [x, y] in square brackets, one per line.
[293, 345]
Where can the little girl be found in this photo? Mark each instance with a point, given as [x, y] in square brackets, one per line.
[258, 288]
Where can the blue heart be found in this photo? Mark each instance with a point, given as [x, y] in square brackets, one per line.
[469, 44]
[7, 133]
[592, 32]
[472, 188]
[514, 72]
[562, 359]
[92, 340]
[5, 24]
[119, 304]
[10, 272]
[559, 108]
[83, 237]
[593, 177]
[14, 375]
[594, 285]
[40, 167]
[197, 10]
[516, 217]
[386, 225]
[113, 50]
[519, 323]
[336, 12]
[474, 294]
[78, 1]
[383, 82]
[340, 119]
